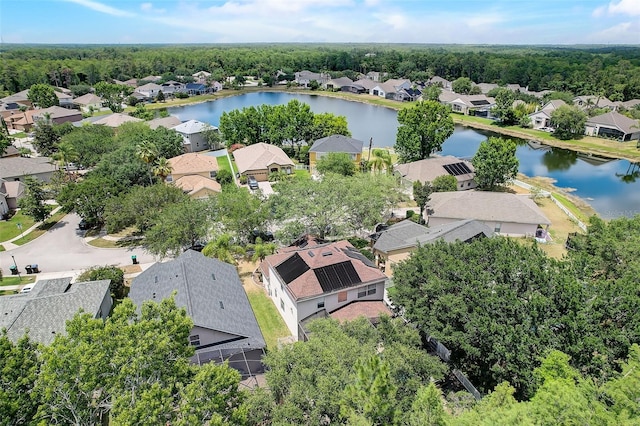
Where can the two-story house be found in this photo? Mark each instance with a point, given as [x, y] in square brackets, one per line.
[313, 279]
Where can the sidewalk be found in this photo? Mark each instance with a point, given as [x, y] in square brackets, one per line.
[8, 245]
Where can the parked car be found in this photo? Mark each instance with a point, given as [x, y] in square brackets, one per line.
[252, 182]
[83, 225]
[265, 236]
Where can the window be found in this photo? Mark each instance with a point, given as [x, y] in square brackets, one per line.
[342, 296]
[213, 174]
[321, 305]
[276, 291]
[497, 228]
[282, 304]
[169, 178]
[367, 291]
[194, 340]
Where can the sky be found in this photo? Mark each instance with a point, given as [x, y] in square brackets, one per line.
[512, 22]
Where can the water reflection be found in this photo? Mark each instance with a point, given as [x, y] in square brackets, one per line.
[556, 159]
[632, 174]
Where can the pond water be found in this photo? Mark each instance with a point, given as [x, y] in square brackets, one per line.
[611, 187]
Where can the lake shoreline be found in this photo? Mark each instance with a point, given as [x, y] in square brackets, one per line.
[588, 145]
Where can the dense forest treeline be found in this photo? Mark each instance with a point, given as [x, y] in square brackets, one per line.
[610, 71]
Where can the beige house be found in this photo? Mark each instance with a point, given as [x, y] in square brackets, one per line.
[542, 117]
[506, 214]
[115, 120]
[89, 102]
[10, 194]
[314, 279]
[195, 174]
[478, 105]
[428, 169]
[260, 159]
[398, 241]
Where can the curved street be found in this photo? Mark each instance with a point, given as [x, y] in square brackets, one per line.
[63, 248]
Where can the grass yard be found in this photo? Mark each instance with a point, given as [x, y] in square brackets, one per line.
[302, 174]
[271, 323]
[41, 229]
[15, 280]
[223, 164]
[102, 243]
[9, 228]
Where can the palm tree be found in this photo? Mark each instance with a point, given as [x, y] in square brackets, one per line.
[162, 168]
[66, 154]
[262, 249]
[148, 153]
[224, 249]
[381, 161]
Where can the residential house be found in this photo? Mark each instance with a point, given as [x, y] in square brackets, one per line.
[201, 76]
[10, 151]
[398, 241]
[391, 89]
[487, 87]
[376, 76]
[439, 81]
[428, 169]
[335, 143]
[337, 83]
[313, 279]
[224, 326]
[45, 310]
[613, 125]
[17, 168]
[151, 78]
[303, 78]
[215, 86]
[192, 132]
[170, 87]
[366, 83]
[114, 120]
[587, 102]
[478, 105]
[139, 97]
[89, 102]
[57, 115]
[507, 214]
[195, 174]
[65, 100]
[20, 120]
[149, 90]
[630, 104]
[132, 82]
[10, 194]
[19, 98]
[166, 122]
[196, 89]
[261, 159]
[542, 117]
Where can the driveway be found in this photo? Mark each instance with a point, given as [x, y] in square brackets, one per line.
[63, 248]
[266, 188]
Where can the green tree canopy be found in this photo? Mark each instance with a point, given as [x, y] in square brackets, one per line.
[113, 94]
[495, 163]
[336, 162]
[112, 273]
[445, 183]
[42, 95]
[33, 202]
[423, 129]
[568, 122]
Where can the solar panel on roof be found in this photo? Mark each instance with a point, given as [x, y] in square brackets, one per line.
[457, 169]
[292, 268]
[337, 276]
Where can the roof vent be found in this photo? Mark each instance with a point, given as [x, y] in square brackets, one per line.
[327, 253]
[311, 254]
[213, 276]
[221, 305]
[155, 279]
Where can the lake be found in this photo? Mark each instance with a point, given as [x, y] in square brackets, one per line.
[611, 187]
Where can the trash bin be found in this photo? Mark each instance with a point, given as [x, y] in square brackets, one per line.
[134, 259]
[14, 270]
[34, 268]
[29, 270]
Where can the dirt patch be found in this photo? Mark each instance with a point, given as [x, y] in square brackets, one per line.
[246, 270]
[131, 269]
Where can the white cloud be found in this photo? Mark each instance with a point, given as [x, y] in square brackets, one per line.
[625, 7]
[622, 33]
[146, 6]
[103, 8]
[484, 20]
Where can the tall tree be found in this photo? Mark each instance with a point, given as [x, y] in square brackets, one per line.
[65, 154]
[568, 122]
[33, 202]
[113, 94]
[381, 161]
[19, 367]
[423, 129]
[336, 162]
[162, 168]
[495, 163]
[504, 106]
[238, 212]
[421, 195]
[42, 95]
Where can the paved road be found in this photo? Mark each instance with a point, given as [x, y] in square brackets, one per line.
[63, 248]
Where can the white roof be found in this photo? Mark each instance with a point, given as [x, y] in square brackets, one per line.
[192, 127]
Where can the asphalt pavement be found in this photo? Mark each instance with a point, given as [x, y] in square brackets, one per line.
[63, 249]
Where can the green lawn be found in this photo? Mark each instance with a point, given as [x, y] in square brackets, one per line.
[271, 323]
[9, 228]
[15, 280]
[223, 164]
[41, 229]
[19, 135]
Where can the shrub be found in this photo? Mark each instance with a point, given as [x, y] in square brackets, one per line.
[118, 290]
[224, 177]
[181, 95]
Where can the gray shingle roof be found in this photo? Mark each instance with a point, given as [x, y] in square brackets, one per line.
[44, 311]
[337, 143]
[615, 120]
[210, 291]
[11, 167]
[407, 234]
[487, 206]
